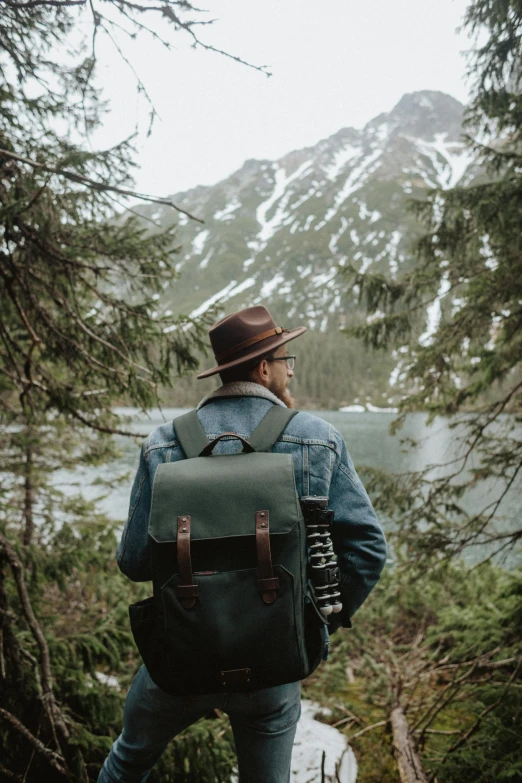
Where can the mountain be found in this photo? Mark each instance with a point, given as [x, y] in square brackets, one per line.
[277, 231]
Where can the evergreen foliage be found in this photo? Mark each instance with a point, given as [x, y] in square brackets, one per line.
[442, 641]
[79, 334]
[446, 647]
[466, 364]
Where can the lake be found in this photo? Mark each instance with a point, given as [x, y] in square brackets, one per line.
[367, 437]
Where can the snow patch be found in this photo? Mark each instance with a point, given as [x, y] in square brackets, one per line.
[354, 181]
[332, 244]
[312, 740]
[309, 220]
[281, 182]
[324, 278]
[450, 159]
[341, 158]
[433, 313]
[221, 295]
[241, 287]
[271, 285]
[199, 241]
[207, 258]
[222, 214]
[376, 409]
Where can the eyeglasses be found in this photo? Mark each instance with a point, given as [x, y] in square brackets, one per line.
[290, 361]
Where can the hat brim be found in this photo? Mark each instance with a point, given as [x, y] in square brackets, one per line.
[264, 347]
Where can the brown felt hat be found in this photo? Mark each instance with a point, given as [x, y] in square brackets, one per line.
[244, 336]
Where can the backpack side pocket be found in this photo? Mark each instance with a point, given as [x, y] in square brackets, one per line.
[148, 637]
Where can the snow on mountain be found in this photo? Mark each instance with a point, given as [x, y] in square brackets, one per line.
[278, 231]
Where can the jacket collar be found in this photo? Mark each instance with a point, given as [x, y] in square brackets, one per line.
[241, 389]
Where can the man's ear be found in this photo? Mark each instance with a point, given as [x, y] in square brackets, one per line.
[260, 372]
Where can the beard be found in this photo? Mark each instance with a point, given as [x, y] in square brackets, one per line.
[281, 391]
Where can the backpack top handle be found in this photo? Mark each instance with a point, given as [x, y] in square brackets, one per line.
[207, 451]
[193, 439]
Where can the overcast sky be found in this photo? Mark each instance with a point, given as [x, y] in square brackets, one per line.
[334, 63]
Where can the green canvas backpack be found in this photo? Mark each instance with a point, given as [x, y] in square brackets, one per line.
[232, 608]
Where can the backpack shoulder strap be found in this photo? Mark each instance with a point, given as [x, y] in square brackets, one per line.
[190, 434]
[270, 428]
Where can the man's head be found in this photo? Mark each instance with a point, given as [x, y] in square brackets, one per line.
[271, 371]
[249, 345]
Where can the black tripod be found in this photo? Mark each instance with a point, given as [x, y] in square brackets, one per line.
[323, 569]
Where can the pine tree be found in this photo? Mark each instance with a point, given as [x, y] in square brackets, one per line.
[469, 270]
[445, 648]
[80, 333]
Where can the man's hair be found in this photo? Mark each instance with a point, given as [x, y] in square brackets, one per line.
[242, 371]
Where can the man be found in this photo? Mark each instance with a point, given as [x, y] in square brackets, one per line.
[256, 369]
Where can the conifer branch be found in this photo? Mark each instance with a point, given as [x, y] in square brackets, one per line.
[99, 186]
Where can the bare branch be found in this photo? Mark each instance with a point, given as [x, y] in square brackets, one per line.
[54, 759]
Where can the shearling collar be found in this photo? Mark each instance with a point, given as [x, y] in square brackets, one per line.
[241, 389]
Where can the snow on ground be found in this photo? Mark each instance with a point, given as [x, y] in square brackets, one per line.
[391, 250]
[241, 287]
[199, 241]
[332, 244]
[281, 182]
[366, 408]
[302, 199]
[309, 221]
[232, 289]
[353, 182]
[366, 263]
[341, 158]
[223, 214]
[311, 741]
[207, 258]
[375, 409]
[108, 680]
[458, 156]
[270, 286]
[213, 299]
[450, 159]
[433, 313]
[324, 278]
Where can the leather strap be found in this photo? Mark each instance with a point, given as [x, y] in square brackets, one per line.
[267, 583]
[190, 434]
[251, 341]
[186, 590]
[270, 428]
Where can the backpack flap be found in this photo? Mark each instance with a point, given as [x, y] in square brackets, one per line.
[222, 495]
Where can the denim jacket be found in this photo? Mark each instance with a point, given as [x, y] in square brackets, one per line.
[322, 467]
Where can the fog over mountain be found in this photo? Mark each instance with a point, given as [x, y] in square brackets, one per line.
[277, 232]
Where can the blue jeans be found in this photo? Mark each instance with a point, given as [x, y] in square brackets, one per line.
[264, 725]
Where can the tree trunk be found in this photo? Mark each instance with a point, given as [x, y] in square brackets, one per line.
[410, 768]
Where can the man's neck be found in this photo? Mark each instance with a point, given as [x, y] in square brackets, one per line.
[242, 389]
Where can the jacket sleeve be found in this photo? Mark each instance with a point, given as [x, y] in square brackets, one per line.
[132, 554]
[357, 536]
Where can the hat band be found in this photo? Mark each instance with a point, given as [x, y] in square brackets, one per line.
[247, 343]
